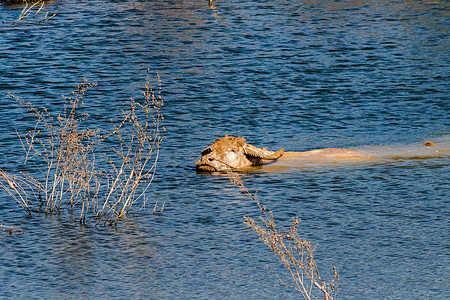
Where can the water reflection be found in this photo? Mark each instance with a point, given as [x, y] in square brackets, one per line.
[74, 256]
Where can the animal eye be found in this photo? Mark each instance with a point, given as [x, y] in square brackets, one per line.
[206, 151]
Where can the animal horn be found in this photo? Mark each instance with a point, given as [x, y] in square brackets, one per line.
[262, 153]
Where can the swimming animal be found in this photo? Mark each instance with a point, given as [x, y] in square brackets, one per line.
[231, 153]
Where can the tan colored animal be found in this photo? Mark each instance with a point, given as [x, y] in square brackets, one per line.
[230, 153]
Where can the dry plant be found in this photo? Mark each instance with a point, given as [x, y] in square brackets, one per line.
[10, 229]
[21, 188]
[295, 253]
[83, 170]
[136, 155]
[31, 9]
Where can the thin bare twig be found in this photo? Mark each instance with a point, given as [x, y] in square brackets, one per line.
[28, 10]
[295, 253]
[66, 150]
[10, 229]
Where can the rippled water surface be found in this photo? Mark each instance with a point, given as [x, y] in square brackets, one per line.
[295, 74]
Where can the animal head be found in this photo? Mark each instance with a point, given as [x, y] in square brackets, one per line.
[229, 153]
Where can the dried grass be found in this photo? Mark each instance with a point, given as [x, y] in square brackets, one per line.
[83, 170]
[10, 229]
[295, 253]
[32, 12]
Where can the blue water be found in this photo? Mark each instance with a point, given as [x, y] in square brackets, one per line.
[295, 74]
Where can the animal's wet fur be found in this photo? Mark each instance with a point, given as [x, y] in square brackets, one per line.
[216, 155]
[231, 153]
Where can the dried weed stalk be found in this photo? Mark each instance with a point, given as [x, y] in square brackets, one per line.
[10, 229]
[31, 9]
[295, 253]
[136, 154]
[80, 169]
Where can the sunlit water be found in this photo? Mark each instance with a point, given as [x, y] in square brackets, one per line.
[295, 74]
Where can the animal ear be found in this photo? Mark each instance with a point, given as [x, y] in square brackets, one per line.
[231, 140]
[241, 141]
[262, 153]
